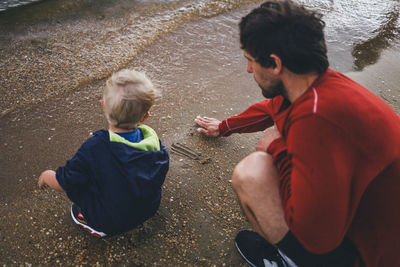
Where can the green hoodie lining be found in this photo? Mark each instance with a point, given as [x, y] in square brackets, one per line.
[150, 140]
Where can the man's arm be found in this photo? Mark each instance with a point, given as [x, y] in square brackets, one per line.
[255, 118]
[315, 176]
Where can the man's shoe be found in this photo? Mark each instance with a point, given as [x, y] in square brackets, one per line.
[80, 220]
[257, 251]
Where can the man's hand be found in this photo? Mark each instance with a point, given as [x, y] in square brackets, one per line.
[209, 126]
[270, 135]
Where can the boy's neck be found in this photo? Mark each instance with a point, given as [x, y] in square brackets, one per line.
[119, 130]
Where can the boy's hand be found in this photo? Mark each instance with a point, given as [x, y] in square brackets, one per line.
[48, 179]
[42, 183]
[209, 126]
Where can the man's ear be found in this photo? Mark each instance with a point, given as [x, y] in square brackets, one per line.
[145, 116]
[278, 63]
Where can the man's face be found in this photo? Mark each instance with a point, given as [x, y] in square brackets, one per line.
[269, 83]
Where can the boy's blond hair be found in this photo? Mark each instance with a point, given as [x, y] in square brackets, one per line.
[127, 97]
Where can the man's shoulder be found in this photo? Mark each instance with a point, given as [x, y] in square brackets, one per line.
[333, 96]
[336, 84]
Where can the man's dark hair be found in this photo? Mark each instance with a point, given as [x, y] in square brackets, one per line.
[290, 31]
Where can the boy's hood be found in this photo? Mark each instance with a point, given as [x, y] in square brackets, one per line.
[150, 140]
[148, 159]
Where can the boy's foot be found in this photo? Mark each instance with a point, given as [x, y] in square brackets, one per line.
[78, 218]
[257, 251]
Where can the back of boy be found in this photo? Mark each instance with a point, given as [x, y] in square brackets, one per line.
[115, 178]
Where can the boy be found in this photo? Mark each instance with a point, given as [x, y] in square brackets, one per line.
[115, 178]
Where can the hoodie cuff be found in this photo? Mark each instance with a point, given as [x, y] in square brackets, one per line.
[224, 129]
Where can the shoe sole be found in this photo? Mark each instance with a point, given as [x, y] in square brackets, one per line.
[87, 228]
[241, 254]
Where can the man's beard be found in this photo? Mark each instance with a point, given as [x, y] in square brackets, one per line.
[275, 88]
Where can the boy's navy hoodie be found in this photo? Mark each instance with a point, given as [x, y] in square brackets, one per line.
[116, 183]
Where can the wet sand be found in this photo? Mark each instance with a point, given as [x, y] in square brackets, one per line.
[199, 215]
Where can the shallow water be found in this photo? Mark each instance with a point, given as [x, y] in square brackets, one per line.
[7, 4]
[54, 46]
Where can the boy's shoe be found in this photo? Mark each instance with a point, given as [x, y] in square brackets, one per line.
[78, 218]
[257, 251]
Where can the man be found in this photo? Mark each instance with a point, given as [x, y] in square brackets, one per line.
[323, 187]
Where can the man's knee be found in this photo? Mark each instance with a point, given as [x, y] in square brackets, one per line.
[255, 180]
[254, 169]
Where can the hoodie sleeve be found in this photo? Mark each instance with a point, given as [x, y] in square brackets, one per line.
[255, 118]
[75, 174]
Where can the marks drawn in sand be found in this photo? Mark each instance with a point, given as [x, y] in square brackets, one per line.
[183, 150]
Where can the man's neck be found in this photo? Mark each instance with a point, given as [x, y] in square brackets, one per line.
[297, 84]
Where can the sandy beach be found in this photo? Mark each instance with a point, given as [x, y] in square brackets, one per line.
[199, 215]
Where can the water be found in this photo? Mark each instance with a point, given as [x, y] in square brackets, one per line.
[7, 4]
[358, 31]
[54, 46]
